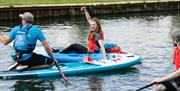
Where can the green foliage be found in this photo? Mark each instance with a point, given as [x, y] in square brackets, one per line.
[71, 12]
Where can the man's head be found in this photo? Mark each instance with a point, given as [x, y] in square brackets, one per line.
[27, 17]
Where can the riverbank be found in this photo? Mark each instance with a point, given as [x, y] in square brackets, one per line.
[45, 2]
[72, 10]
[32, 3]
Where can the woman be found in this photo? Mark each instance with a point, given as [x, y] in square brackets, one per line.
[171, 82]
[95, 40]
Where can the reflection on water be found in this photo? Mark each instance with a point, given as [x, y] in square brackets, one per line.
[95, 84]
[33, 85]
[144, 34]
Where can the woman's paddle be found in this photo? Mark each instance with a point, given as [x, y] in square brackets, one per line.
[147, 86]
[88, 59]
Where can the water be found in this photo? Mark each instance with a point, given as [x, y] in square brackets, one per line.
[144, 35]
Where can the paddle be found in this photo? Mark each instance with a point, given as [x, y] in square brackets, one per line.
[88, 59]
[151, 84]
[61, 73]
[55, 50]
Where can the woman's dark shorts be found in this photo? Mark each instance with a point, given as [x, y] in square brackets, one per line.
[173, 85]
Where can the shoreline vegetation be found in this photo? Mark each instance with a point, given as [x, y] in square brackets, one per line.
[21, 3]
[71, 8]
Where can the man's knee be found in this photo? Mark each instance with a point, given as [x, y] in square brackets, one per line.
[50, 65]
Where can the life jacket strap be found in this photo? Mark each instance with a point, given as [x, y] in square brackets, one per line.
[20, 53]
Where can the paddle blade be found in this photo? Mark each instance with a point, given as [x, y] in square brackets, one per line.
[88, 59]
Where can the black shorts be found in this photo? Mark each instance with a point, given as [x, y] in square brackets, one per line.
[36, 59]
[173, 85]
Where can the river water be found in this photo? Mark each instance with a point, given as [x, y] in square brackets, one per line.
[146, 35]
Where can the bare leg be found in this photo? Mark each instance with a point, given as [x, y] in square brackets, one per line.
[40, 67]
[13, 66]
[160, 87]
[22, 67]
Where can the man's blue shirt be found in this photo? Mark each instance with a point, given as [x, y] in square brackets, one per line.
[33, 34]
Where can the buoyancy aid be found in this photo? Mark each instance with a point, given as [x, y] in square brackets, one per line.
[21, 42]
[92, 43]
[176, 59]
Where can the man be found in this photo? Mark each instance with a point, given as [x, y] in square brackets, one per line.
[25, 37]
[171, 82]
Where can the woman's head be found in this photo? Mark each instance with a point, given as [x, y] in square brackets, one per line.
[175, 35]
[95, 25]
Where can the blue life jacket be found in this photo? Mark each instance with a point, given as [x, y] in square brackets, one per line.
[21, 41]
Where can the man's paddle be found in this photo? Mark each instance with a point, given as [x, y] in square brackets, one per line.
[55, 50]
[61, 73]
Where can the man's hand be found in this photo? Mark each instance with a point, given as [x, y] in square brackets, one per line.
[55, 61]
[4, 40]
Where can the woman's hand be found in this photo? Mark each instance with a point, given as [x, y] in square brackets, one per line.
[105, 58]
[83, 8]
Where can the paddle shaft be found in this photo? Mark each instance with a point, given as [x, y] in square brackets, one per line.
[61, 73]
[88, 53]
[147, 86]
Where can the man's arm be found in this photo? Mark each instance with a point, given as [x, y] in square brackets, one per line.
[48, 50]
[4, 40]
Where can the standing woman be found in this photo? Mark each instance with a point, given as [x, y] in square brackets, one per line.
[95, 40]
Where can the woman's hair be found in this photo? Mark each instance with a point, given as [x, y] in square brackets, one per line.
[175, 35]
[97, 30]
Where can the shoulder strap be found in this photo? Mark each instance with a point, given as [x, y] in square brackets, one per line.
[20, 26]
[28, 31]
[29, 28]
[31, 46]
